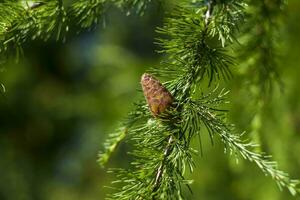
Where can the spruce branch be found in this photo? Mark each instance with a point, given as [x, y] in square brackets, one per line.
[23, 21]
[111, 144]
[155, 175]
[136, 6]
[190, 38]
[160, 169]
[227, 17]
[140, 114]
[269, 167]
[260, 50]
[215, 124]
[88, 13]
[194, 40]
[163, 143]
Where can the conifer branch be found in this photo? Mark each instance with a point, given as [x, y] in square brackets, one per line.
[162, 144]
[115, 138]
[88, 13]
[23, 21]
[233, 142]
[196, 38]
[260, 50]
[136, 6]
[111, 144]
[160, 169]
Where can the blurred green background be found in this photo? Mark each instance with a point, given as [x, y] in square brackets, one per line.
[62, 100]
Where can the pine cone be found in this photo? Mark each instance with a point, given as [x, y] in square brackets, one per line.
[157, 96]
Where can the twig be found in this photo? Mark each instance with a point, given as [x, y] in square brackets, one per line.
[209, 11]
[159, 173]
[35, 5]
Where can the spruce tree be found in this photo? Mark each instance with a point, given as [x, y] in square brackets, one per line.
[201, 41]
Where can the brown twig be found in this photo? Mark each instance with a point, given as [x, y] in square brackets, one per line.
[160, 169]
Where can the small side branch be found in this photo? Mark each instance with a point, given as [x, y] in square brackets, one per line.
[263, 161]
[160, 169]
[111, 144]
[209, 11]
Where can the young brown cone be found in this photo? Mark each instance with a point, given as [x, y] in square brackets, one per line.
[157, 96]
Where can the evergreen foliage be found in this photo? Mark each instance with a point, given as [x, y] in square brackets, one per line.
[197, 39]
[260, 52]
[22, 21]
